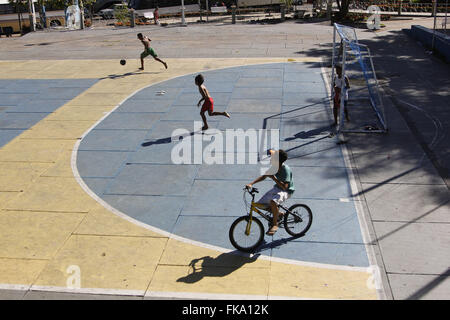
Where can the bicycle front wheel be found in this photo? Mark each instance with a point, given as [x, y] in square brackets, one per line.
[298, 220]
[246, 235]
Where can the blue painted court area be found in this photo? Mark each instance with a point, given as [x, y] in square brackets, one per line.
[23, 102]
[126, 160]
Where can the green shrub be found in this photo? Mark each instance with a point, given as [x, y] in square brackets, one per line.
[122, 14]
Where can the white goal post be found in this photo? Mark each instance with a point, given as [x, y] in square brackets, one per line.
[356, 62]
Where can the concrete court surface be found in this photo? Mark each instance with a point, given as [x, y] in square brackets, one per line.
[44, 266]
[185, 208]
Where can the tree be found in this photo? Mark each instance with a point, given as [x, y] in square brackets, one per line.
[287, 3]
[343, 8]
[19, 6]
[90, 5]
[53, 4]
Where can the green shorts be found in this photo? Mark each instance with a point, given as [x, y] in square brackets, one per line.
[148, 52]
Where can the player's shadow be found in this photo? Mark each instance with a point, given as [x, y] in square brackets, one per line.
[221, 266]
[127, 74]
[165, 140]
[311, 133]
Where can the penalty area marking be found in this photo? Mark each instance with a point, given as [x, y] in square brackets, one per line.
[171, 235]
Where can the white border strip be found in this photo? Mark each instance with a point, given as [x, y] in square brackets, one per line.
[118, 292]
[18, 287]
[218, 296]
[148, 294]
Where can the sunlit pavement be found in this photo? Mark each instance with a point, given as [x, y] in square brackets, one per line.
[63, 215]
[82, 192]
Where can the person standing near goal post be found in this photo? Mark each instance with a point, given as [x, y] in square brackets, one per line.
[338, 84]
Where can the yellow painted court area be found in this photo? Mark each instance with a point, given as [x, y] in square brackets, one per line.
[49, 223]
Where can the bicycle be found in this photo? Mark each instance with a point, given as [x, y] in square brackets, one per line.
[247, 232]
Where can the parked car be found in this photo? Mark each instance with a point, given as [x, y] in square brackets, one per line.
[107, 13]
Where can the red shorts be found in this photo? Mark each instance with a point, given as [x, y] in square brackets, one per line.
[337, 97]
[208, 105]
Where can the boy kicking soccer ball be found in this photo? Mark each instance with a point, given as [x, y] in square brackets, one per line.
[148, 51]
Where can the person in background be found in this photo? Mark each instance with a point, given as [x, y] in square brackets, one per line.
[156, 15]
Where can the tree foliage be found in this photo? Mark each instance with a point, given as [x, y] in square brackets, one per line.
[287, 3]
[343, 8]
[19, 5]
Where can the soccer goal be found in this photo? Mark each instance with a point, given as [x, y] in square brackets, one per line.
[365, 105]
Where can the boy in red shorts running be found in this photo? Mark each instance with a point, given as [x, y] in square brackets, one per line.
[208, 105]
[148, 51]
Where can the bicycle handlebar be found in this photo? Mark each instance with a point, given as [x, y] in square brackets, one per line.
[251, 190]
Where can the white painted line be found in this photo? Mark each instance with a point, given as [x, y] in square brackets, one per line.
[19, 287]
[149, 294]
[218, 296]
[119, 292]
[171, 235]
[436, 122]
[344, 199]
[196, 295]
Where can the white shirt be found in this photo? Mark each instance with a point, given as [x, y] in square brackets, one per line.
[338, 82]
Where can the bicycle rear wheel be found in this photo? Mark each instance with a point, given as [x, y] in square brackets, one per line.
[239, 237]
[298, 220]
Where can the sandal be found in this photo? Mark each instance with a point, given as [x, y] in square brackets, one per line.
[272, 231]
[280, 217]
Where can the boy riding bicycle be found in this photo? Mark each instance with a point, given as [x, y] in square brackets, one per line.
[281, 191]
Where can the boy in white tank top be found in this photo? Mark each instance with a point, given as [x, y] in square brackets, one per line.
[338, 85]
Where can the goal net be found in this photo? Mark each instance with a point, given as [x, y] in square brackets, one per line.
[364, 105]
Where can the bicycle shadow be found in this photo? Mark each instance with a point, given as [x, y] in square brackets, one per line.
[221, 266]
[266, 245]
